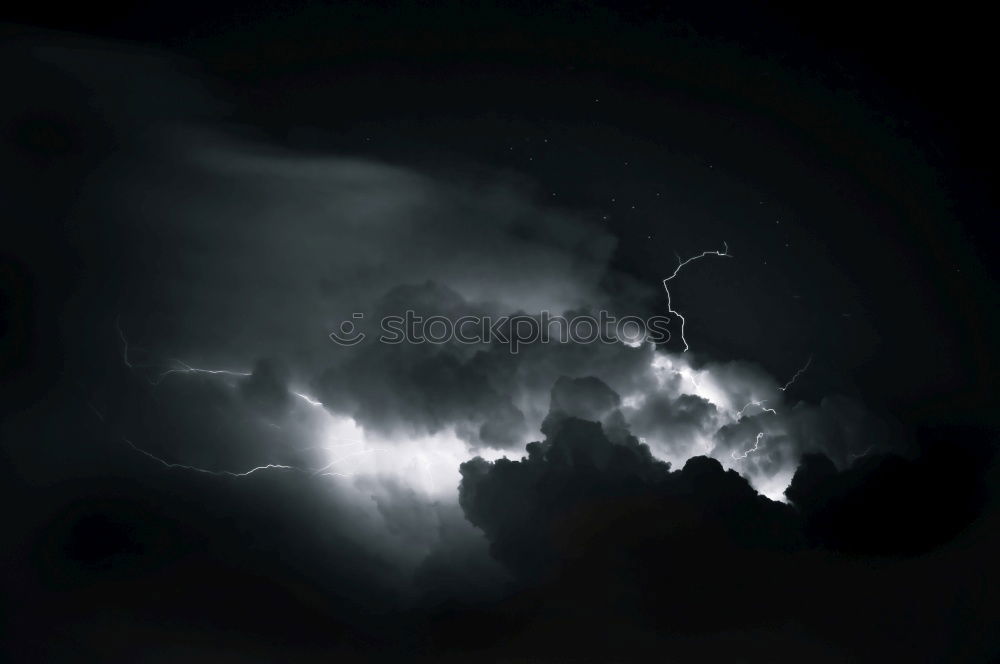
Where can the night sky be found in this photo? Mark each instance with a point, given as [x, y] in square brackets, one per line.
[196, 196]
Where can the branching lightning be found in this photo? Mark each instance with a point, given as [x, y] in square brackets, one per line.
[325, 469]
[680, 264]
[322, 471]
[182, 367]
[218, 473]
[759, 404]
[756, 446]
[187, 368]
[753, 403]
[798, 373]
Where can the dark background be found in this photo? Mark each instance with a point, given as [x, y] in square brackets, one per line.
[864, 130]
[846, 154]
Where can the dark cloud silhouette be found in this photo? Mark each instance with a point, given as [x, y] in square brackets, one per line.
[578, 494]
[600, 529]
[889, 505]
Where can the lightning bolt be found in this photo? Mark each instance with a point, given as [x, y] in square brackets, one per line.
[308, 399]
[798, 373]
[760, 435]
[217, 473]
[121, 335]
[759, 404]
[320, 471]
[756, 446]
[680, 264]
[184, 367]
[753, 402]
[858, 455]
[180, 366]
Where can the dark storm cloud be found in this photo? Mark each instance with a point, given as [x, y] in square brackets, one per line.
[486, 393]
[200, 236]
[534, 510]
[188, 272]
[489, 396]
[214, 249]
[218, 249]
[218, 422]
[209, 249]
[607, 530]
[423, 387]
[686, 417]
[585, 398]
[885, 504]
[183, 335]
